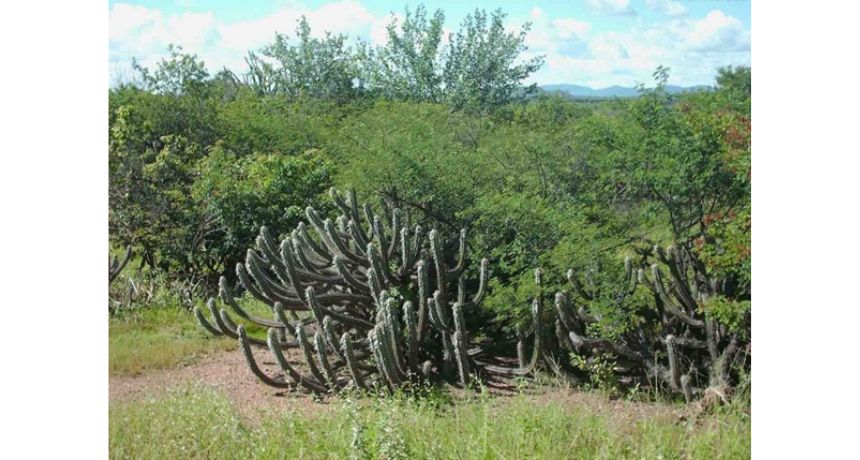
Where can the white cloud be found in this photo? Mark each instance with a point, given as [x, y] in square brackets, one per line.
[692, 48]
[569, 27]
[667, 7]
[576, 51]
[717, 32]
[615, 7]
[144, 33]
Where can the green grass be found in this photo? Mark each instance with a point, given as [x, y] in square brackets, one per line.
[158, 338]
[202, 423]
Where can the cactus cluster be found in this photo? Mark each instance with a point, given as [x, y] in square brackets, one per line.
[370, 302]
[679, 345]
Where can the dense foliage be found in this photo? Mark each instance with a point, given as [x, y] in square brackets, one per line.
[447, 131]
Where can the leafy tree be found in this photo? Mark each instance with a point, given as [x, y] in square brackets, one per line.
[179, 74]
[481, 66]
[244, 193]
[318, 68]
[410, 66]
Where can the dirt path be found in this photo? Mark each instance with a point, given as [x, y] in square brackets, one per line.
[228, 373]
[224, 371]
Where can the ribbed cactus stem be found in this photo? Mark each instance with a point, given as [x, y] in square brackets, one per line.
[463, 367]
[441, 271]
[308, 242]
[348, 276]
[322, 356]
[351, 362]
[395, 235]
[305, 347]
[440, 305]
[204, 323]
[245, 279]
[328, 328]
[674, 365]
[252, 363]
[373, 258]
[411, 333]
[483, 277]
[289, 370]
[460, 322]
[521, 347]
[423, 282]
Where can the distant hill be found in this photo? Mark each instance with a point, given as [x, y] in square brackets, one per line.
[578, 91]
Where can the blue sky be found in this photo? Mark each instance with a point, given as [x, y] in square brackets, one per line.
[596, 43]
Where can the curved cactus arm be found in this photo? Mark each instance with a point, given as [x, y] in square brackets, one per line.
[374, 284]
[668, 303]
[319, 312]
[269, 248]
[441, 270]
[337, 245]
[433, 318]
[537, 350]
[252, 363]
[307, 382]
[675, 260]
[340, 202]
[231, 330]
[328, 329]
[351, 362]
[521, 347]
[376, 262]
[322, 350]
[115, 267]
[584, 344]
[227, 297]
[249, 285]
[358, 235]
[484, 276]
[204, 323]
[458, 269]
[441, 315]
[294, 277]
[281, 316]
[290, 267]
[305, 347]
[351, 279]
[303, 256]
[308, 242]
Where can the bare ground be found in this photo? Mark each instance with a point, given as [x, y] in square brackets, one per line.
[228, 373]
[224, 371]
